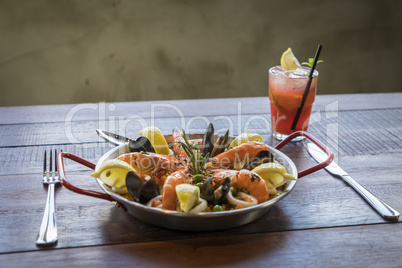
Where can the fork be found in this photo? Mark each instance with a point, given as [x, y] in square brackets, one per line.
[48, 229]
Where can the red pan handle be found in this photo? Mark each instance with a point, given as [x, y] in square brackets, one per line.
[68, 185]
[316, 142]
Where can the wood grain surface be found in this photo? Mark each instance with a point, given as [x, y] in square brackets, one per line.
[323, 222]
[352, 246]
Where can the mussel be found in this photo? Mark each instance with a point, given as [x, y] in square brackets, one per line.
[215, 194]
[261, 158]
[140, 189]
[207, 141]
[209, 145]
[207, 190]
[221, 144]
[142, 144]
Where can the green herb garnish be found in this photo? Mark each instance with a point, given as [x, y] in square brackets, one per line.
[193, 153]
[310, 62]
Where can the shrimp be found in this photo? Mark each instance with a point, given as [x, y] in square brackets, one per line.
[157, 166]
[245, 181]
[237, 157]
[177, 147]
[169, 195]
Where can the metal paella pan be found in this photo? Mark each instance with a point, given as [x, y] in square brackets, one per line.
[203, 221]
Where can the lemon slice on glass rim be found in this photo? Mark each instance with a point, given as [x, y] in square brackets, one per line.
[289, 61]
[156, 138]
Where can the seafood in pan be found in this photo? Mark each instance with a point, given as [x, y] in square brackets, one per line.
[206, 175]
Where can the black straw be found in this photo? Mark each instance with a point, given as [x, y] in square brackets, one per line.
[310, 78]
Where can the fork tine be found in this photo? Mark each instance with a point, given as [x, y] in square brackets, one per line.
[50, 162]
[57, 178]
[55, 160]
[44, 163]
[55, 165]
[51, 166]
[44, 168]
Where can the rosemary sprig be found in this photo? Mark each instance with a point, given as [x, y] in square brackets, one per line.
[193, 153]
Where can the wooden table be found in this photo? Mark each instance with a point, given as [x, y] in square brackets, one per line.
[322, 223]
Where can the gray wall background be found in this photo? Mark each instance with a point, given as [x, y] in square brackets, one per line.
[72, 51]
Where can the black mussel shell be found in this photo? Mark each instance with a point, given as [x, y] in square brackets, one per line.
[207, 191]
[261, 158]
[134, 184]
[144, 141]
[140, 189]
[221, 190]
[149, 190]
[215, 194]
[221, 144]
[208, 141]
[142, 144]
[135, 146]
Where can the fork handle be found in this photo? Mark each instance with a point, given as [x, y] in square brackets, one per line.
[48, 229]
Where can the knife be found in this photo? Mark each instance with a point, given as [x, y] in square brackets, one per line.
[112, 138]
[139, 145]
[380, 206]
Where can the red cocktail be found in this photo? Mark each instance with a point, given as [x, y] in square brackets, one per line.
[285, 92]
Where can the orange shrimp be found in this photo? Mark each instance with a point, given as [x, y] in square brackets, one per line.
[178, 150]
[155, 165]
[238, 156]
[169, 195]
[244, 180]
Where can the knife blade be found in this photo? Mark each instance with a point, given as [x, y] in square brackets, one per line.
[112, 138]
[142, 144]
[380, 206]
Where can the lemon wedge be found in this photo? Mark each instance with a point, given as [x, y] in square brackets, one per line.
[113, 172]
[188, 195]
[245, 137]
[156, 138]
[289, 61]
[274, 174]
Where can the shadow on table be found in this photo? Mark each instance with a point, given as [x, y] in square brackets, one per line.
[143, 240]
[213, 250]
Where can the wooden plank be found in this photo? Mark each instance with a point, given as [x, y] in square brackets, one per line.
[84, 132]
[358, 101]
[80, 132]
[319, 200]
[206, 107]
[28, 159]
[357, 246]
[354, 132]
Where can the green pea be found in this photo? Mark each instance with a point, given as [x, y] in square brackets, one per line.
[217, 208]
[198, 178]
[199, 184]
[233, 190]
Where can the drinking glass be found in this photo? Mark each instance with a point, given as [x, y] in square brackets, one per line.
[285, 91]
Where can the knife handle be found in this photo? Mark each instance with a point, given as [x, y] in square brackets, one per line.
[380, 206]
